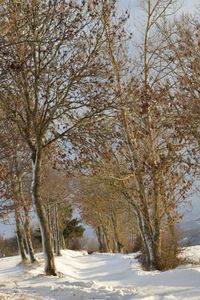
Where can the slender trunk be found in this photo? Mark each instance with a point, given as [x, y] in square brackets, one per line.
[53, 227]
[28, 235]
[99, 237]
[20, 237]
[57, 232]
[153, 237]
[40, 210]
[63, 241]
[150, 237]
[27, 228]
[152, 247]
[118, 245]
[48, 210]
[156, 246]
[105, 244]
[106, 240]
[148, 251]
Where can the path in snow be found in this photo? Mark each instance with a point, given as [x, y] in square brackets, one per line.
[97, 276]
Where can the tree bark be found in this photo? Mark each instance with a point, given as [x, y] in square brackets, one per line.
[20, 237]
[40, 210]
[117, 243]
[58, 252]
[152, 245]
[63, 244]
[27, 228]
[106, 240]
[158, 263]
[99, 237]
[28, 235]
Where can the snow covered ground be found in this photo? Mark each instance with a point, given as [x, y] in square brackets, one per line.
[98, 276]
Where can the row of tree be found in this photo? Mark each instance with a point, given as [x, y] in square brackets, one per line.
[74, 91]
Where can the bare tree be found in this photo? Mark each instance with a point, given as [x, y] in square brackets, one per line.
[103, 207]
[52, 61]
[184, 53]
[153, 176]
[55, 197]
[16, 183]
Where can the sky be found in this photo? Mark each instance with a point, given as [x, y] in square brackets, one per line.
[133, 5]
[188, 6]
[137, 20]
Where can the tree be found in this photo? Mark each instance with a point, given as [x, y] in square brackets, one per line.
[52, 61]
[16, 166]
[55, 196]
[72, 229]
[184, 53]
[150, 158]
[8, 246]
[103, 207]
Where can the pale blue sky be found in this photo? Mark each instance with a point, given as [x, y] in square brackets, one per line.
[137, 17]
[132, 5]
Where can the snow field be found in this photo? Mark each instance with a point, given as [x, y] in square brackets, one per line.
[98, 276]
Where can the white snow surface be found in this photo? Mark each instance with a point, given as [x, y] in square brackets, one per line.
[98, 276]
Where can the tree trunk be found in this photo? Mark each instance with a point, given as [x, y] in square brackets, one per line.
[63, 244]
[48, 211]
[118, 245]
[99, 237]
[28, 235]
[52, 227]
[152, 247]
[20, 237]
[27, 229]
[58, 253]
[151, 240]
[158, 263]
[40, 210]
[106, 240]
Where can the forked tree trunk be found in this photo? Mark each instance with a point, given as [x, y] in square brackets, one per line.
[28, 235]
[27, 228]
[158, 263]
[151, 240]
[40, 210]
[20, 237]
[152, 246]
